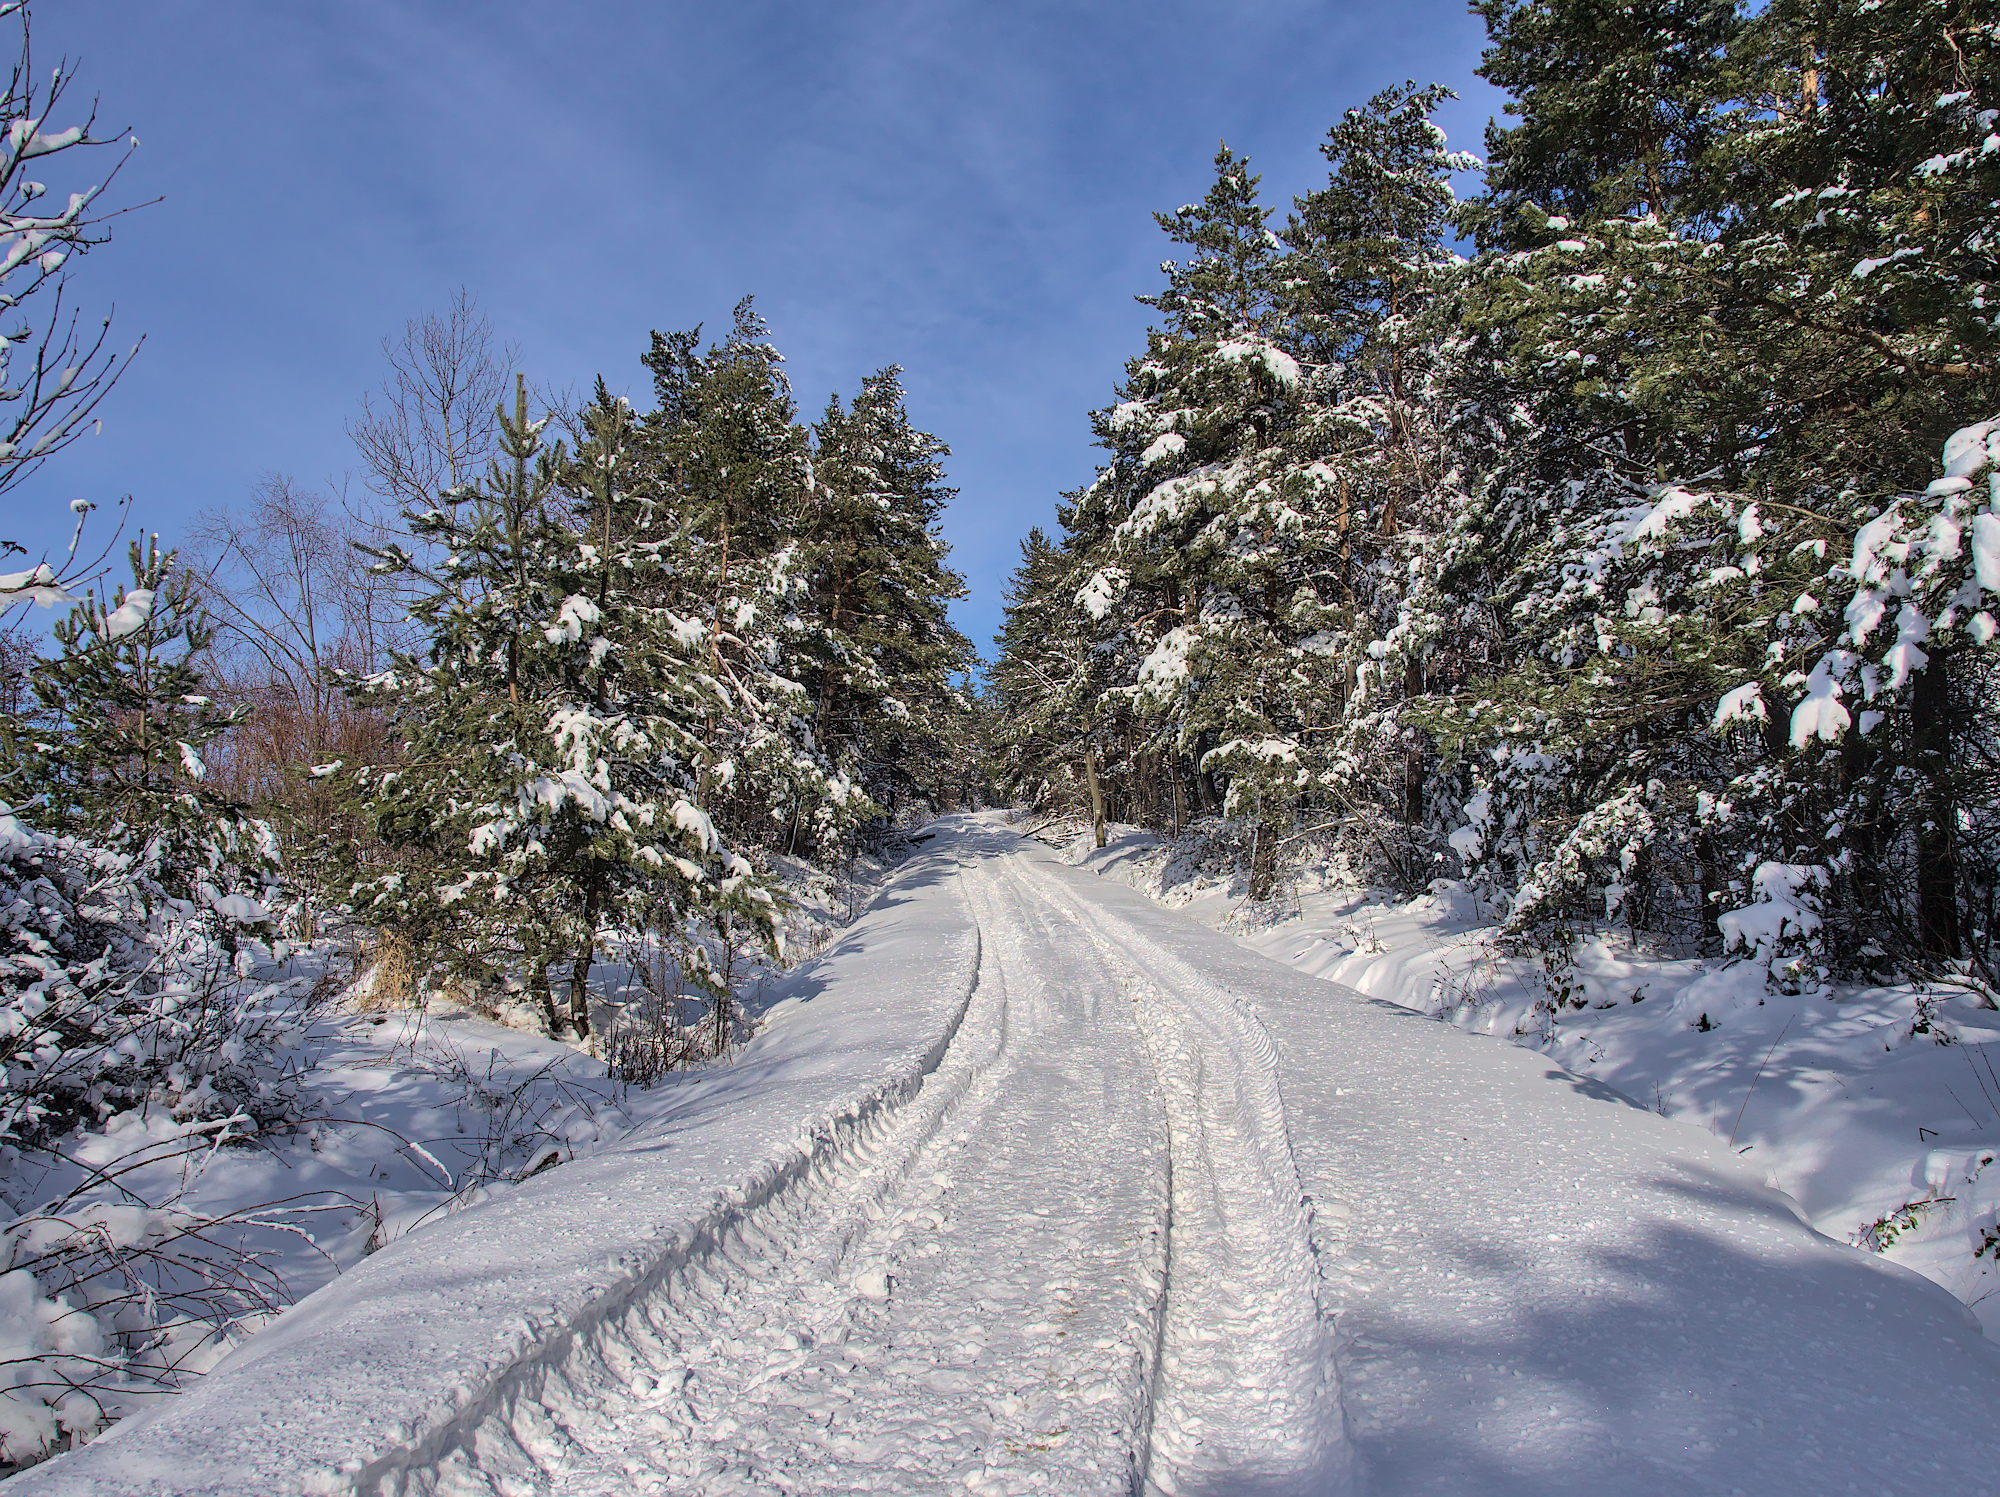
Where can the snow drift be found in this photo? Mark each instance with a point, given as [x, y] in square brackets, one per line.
[405, 1375]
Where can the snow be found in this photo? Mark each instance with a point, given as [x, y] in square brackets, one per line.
[1819, 713]
[1840, 1095]
[691, 819]
[1744, 704]
[1127, 413]
[1268, 750]
[1170, 502]
[1031, 1185]
[576, 614]
[1167, 662]
[1543, 1288]
[1784, 907]
[411, 1117]
[1986, 551]
[1105, 587]
[1674, 504]
[1972, 449]
[534, 1288]
[131, 615]
[1280, 365]
[38, 585]
[239, 907]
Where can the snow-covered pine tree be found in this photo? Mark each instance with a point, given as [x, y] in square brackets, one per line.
[134, 896]
[733, 469]
[1733, 336]
[556, 735]
[1208, 515]
[886, 692]
[1052, 733]
[113, 752]
[1586, 381]
[1368, 296]
[1618, 105]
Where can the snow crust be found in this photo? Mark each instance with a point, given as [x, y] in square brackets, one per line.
[407, 1373]
[1541, 1287]
[1032, 1185]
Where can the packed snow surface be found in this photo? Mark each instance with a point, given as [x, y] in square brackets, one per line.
[1034, 1186]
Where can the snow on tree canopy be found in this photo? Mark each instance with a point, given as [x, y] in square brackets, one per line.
[576, 614]
[131, 615]
[1170, 502]
[1105, 587]
[1784, 908]
[1744, 704]
[1280, 365]
[1167, 662]
[1972, 449]
[38, 585]
[1819, 713]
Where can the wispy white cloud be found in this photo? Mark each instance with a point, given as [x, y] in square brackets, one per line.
[961, 187]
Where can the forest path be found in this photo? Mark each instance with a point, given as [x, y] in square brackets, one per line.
[1031, 1186]
[1169, 1218]
[1076, 1261]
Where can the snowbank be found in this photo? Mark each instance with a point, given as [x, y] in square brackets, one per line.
[1540, 1288]
[1877, 1110]
[411, 1366]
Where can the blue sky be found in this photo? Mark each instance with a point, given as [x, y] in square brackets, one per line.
[962, 188]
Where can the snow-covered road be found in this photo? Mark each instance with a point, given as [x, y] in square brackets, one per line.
[963, 1304]
[1086, 1228]
[1037, 1187]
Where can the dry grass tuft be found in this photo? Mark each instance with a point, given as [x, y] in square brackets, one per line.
[388, 977]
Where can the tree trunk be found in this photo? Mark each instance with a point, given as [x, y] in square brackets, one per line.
[1207, 795]
[1938, 932]
[579, 991]
[1414, 809]
[1263, 861]
[538, 984]
[1096, 785]
[580, 963]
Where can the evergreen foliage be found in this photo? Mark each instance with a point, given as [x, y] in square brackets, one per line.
[887, 709]
[706, 637]
[556, 734]
[1616, 567]
[113, 752]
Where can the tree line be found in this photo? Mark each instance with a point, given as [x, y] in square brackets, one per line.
[1622, 538]
[571, 680]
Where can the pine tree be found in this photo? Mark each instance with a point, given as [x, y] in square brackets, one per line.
[734, 470]
[1217, 512]
[1618, 106]
[556, 735]
[885, 692]
[1692, 407]
[1054, 726]
[133, 896]
[113, 754]
[1372, 286]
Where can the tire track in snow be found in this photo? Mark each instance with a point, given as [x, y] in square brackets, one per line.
[966, 1303]
[1246, 1399]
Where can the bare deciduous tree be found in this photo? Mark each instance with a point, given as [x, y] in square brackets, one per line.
[297, 608]
[54, 367]
[430, 428]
